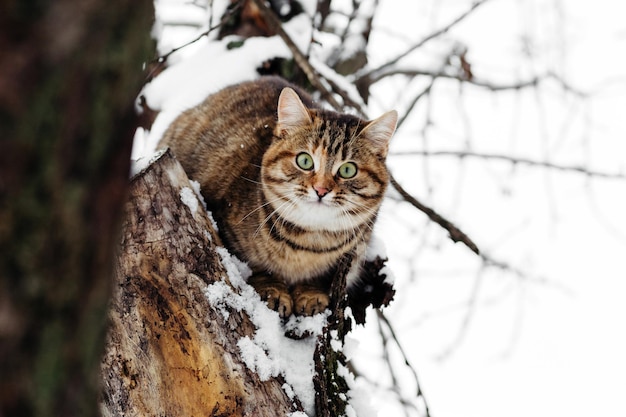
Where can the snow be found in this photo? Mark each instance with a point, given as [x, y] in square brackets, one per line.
[376, 248]
[289, 391]
[142, 162]
[339, 80]
[196, 189]
[359, 403]
[269, 352]
[188, 197]
[255, 358]
[186, 84]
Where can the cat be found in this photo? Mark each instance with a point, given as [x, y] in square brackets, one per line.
[292, 186]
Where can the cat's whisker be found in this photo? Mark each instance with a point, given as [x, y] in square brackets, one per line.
[288, 206]
[286, 213]
[365, 216]
[267, 203]
[287, 203]
[250, 180]
[267, 218]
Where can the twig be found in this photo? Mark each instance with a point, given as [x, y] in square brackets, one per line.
[516, 161]
[413, 103]
[426, 91]
[419, 393]
[477, 81]
[467, 320]
[163, 58]
[301, 60]
[455, 233]
[371, 74]
[330, 387]
[160, 61]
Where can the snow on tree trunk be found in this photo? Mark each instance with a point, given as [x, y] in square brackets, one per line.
[169, 351]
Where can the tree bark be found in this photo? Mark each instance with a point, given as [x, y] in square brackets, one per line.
[169, 351]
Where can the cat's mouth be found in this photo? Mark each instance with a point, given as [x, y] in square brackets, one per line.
[317, 214]
[319, 202]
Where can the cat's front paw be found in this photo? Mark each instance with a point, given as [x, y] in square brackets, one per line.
[274, 293]
[278, 301]
[308, 301]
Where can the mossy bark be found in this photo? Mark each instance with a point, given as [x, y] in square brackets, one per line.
[68, 79]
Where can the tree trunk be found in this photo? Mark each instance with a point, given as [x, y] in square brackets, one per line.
[69, 74]
[169, 351]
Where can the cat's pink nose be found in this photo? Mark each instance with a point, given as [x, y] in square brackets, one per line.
[320, 191]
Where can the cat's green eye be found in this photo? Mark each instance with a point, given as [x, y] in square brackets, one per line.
[304, 161]
[347, 170]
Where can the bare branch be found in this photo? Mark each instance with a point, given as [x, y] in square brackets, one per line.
[467, 320]
[479, 82]
[455, 233]
[303, 62]
[417, 98]
[518, 161]
[426, 91]
[419, 393]
[363, 23]
[372, 73]
[229, 13]
[533, 82]
[300, 59]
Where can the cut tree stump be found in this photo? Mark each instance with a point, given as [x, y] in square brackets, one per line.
[169, 352]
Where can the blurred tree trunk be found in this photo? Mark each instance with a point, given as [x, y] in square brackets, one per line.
[69, 73]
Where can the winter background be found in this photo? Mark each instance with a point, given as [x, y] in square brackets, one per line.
[536, 325]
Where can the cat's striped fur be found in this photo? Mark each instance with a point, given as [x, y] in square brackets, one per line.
[293, 187]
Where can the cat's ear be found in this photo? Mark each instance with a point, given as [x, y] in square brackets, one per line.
[292, 114]
[379, 132]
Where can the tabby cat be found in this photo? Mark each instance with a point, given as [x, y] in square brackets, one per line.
[293, 187]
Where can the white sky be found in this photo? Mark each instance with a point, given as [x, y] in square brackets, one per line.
[530, 349]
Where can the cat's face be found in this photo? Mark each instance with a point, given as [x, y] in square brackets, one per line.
[324, 170]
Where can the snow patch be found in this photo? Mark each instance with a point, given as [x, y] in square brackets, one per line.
[375, 249]
[255, 358]
[140, 164]
[269, 352]
[189, 198]
[212, 220]
[237, 270]
[196, 188]
[389, 277]
[289, 391]
[187, 83]
[359, 403]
